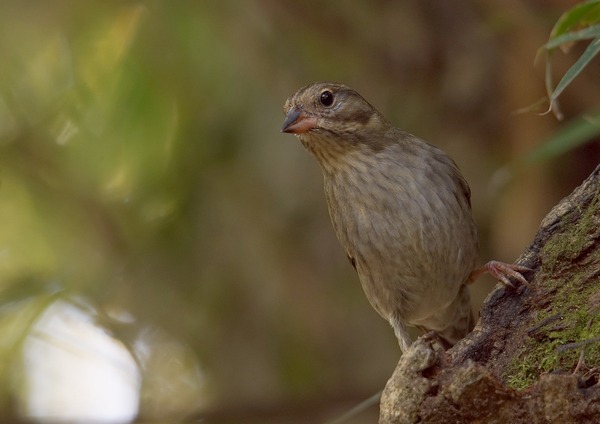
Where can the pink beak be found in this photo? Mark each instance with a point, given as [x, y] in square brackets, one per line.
[298, 122]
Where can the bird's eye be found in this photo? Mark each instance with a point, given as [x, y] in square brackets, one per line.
[326, 98]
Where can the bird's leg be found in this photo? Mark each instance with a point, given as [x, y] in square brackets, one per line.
[401, 333]
[500, 271]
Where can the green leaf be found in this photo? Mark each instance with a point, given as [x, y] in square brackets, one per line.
[584, 13]
[584, 34]
[589, 53]
[554, 107]
[572, 135]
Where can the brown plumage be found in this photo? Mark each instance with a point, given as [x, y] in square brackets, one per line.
[400, 209]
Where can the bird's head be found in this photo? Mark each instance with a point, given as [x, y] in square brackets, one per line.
[327, 112]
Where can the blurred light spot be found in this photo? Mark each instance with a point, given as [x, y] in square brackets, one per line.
[42, 79]
[174, 383]
[119, 185]
[75, 371]
[111, 45]
[66, 133]
[120, 315]
[158, 210]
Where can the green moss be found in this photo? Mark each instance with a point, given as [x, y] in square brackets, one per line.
[569, 245]
[572, 296]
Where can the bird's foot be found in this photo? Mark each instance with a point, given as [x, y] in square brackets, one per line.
[501, 271]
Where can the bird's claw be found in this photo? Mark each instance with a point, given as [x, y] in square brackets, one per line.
[502, 272]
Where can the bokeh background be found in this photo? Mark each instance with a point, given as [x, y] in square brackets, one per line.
[161, 242]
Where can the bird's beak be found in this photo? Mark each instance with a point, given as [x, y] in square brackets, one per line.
[298, 122]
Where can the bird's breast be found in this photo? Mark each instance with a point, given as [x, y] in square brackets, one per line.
[409, 228]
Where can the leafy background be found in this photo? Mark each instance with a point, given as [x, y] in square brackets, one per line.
[142, 172]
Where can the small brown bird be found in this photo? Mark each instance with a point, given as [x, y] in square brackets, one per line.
[400, 208]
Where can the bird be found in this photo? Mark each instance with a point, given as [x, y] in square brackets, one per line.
[401, 210]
